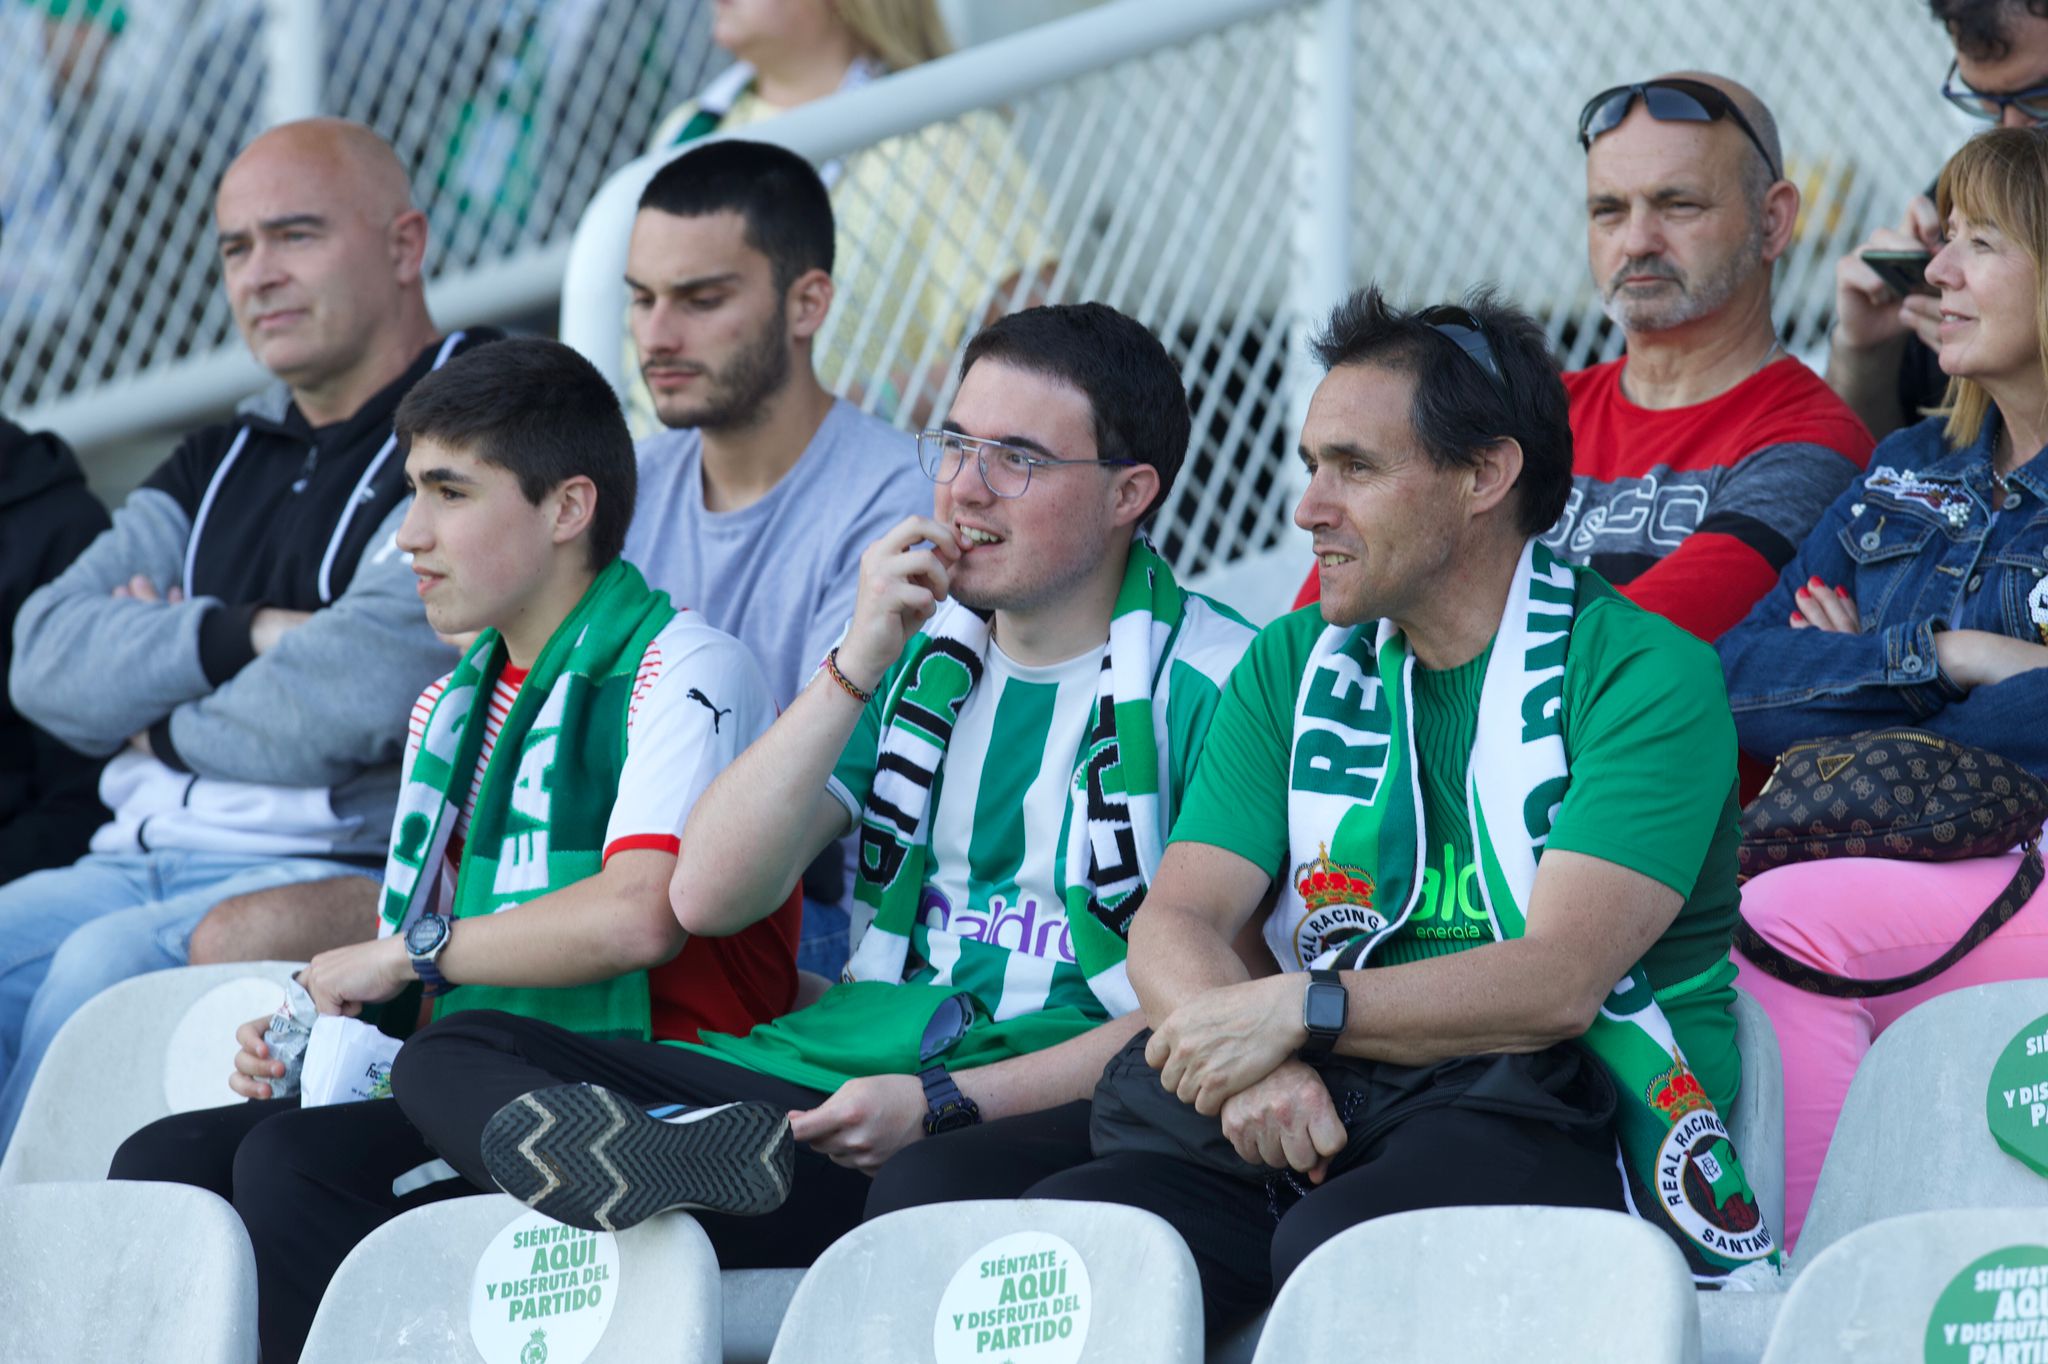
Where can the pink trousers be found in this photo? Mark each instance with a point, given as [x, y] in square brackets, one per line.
[1869, 918]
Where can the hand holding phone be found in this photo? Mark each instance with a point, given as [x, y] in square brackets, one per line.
[1904, 272]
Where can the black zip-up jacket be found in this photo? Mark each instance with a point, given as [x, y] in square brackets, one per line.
[49, 802]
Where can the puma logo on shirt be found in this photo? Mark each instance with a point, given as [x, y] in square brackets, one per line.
[705, 701]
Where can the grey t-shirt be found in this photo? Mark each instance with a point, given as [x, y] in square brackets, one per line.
[780, 574]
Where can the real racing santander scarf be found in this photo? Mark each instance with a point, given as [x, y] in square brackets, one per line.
[1116, 829]
[1355, 829]
[539, 820]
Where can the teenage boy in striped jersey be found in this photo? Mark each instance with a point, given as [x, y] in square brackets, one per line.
[545, 785]
[1008, 723]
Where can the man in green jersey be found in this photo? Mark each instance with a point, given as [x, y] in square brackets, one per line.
[1379, 783]
[1009, 724]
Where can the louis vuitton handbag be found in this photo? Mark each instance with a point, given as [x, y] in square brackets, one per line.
[1902, 793]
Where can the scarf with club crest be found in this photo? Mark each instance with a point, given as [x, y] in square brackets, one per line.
[545, 798]
[1356, 834]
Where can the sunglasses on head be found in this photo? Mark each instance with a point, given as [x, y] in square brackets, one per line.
[1669, 101]
[1990, 105]
[1463, 330]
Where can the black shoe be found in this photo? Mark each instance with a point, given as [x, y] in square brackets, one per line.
[585, 1156]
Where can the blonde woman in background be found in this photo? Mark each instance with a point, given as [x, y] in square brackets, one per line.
[916, 270]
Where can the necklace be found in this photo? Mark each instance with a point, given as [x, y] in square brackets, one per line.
[1777, 346]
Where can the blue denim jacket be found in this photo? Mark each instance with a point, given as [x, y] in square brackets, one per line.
[1916, 543]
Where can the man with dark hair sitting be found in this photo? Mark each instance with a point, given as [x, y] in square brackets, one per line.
[1009, 723]
[546, 783]
[1483, 1031]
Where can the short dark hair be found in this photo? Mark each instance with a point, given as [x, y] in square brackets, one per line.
[787, 211]
[541, 411]
[1458, 410]
[1982, 29]
[1133, 387]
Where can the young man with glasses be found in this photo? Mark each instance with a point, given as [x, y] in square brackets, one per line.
[1703, 456]
[1446, 800]
[1008, 724]
[1881, 356]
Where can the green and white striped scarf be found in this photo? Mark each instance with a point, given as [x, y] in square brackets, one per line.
[1355, 828]
[1116, 829]
[546, 796]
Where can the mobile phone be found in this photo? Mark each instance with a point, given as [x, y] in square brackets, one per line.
[1904, 272]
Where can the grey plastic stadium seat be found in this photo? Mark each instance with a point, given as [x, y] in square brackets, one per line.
[406, 1294]
[117, 1270]
[1912, 1135]
[1757, 1118]
[753, 1303]
[1571, 1285]
[977, 1279]
[1869, 1295]
[150, 1046]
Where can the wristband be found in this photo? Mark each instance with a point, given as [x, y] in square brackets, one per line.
[831, 666]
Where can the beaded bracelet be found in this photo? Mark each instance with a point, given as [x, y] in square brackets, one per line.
[831, 666]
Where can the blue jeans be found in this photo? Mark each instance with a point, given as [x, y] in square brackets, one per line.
[69, 933]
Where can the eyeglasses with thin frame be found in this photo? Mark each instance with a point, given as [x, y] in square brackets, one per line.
[1989, 105]
[1460, 327]
[1005, 468]
[1669, 101]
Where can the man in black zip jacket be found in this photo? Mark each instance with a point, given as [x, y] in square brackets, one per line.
[49, 801]
[246, 640]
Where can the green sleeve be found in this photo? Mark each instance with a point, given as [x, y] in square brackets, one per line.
[1237, 797]
[1651, 745]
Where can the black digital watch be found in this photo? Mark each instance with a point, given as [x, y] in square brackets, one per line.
[1324, 1007]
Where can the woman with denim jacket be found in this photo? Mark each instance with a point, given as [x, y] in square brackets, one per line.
[1920, 599]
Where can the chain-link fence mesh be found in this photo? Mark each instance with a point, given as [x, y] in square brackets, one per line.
[1143, 186]
[1171, 184]
[1470, 169]
[120, 120]
[1168, 186]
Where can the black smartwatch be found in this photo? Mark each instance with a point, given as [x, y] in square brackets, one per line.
[423, 943]
[1324, 1007]
[946, 1109]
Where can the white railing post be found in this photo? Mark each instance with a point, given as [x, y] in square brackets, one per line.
[1325, 115]
[292, 61]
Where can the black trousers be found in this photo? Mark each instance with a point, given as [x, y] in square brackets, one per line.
[1245, 1247]
[453, 1076]
[309, 1183]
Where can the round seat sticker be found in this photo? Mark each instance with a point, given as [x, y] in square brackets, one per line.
[1022, 1299]
[1995, 1310]
[2017, 1105]
[543, 1292]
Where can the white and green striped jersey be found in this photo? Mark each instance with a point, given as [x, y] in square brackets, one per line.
[992, 916]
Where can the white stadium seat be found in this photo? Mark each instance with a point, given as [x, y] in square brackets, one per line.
[1756, 1120]
[1569, 1285]
[1912, 1136]
[1871, 1295]
[480, 1278]
[124, 1271]
[150, 1046]
[960, 1281]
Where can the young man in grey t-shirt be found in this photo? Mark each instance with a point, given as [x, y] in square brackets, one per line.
[755, 505]
[757, 501]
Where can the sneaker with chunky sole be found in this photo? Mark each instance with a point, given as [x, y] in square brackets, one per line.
[585, 1156]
